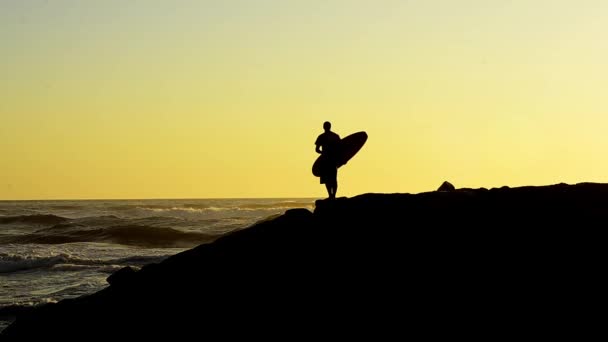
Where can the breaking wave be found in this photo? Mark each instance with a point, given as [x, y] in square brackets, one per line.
[65, 262]
[128, 234]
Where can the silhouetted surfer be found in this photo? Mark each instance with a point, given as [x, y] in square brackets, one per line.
[327, 144]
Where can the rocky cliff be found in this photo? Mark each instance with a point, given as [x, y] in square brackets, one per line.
[373, 265]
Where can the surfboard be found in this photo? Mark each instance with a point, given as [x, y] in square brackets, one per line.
[347, 148]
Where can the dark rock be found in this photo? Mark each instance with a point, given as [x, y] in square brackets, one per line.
[374, 265]
[7, 312]
[120, 276]
[446, 186]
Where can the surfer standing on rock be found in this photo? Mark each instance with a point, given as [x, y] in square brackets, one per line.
[327, 144]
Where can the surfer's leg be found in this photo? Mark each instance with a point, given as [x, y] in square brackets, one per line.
[328, 187]
[333, 182]
[332, 187]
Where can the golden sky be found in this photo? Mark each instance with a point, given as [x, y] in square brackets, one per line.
[207, 99]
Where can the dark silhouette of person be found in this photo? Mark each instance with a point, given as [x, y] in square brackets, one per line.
[327, 145]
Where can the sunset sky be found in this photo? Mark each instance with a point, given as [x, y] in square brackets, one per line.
[208, 99]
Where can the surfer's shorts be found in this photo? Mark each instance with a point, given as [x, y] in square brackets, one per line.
[330, 174]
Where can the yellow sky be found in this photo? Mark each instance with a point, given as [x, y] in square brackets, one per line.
[205, 99]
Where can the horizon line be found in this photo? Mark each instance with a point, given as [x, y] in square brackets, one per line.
[149, 199]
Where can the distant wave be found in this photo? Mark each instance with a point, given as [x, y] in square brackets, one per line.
[65, 262]
[164, 209]
[278, 205]
[65, 207]
[121, 207]
[128, 234]
[245, 207]
[33, 219]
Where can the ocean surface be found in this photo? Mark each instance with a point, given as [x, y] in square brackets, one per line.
[52, 250]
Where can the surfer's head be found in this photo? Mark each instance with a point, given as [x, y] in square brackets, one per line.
[327, 125]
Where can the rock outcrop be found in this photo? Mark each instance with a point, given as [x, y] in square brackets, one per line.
[375, 265]
[446, 186]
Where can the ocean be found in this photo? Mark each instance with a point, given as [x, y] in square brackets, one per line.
[52, 250]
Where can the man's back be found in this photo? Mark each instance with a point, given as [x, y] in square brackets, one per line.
[329, 142]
